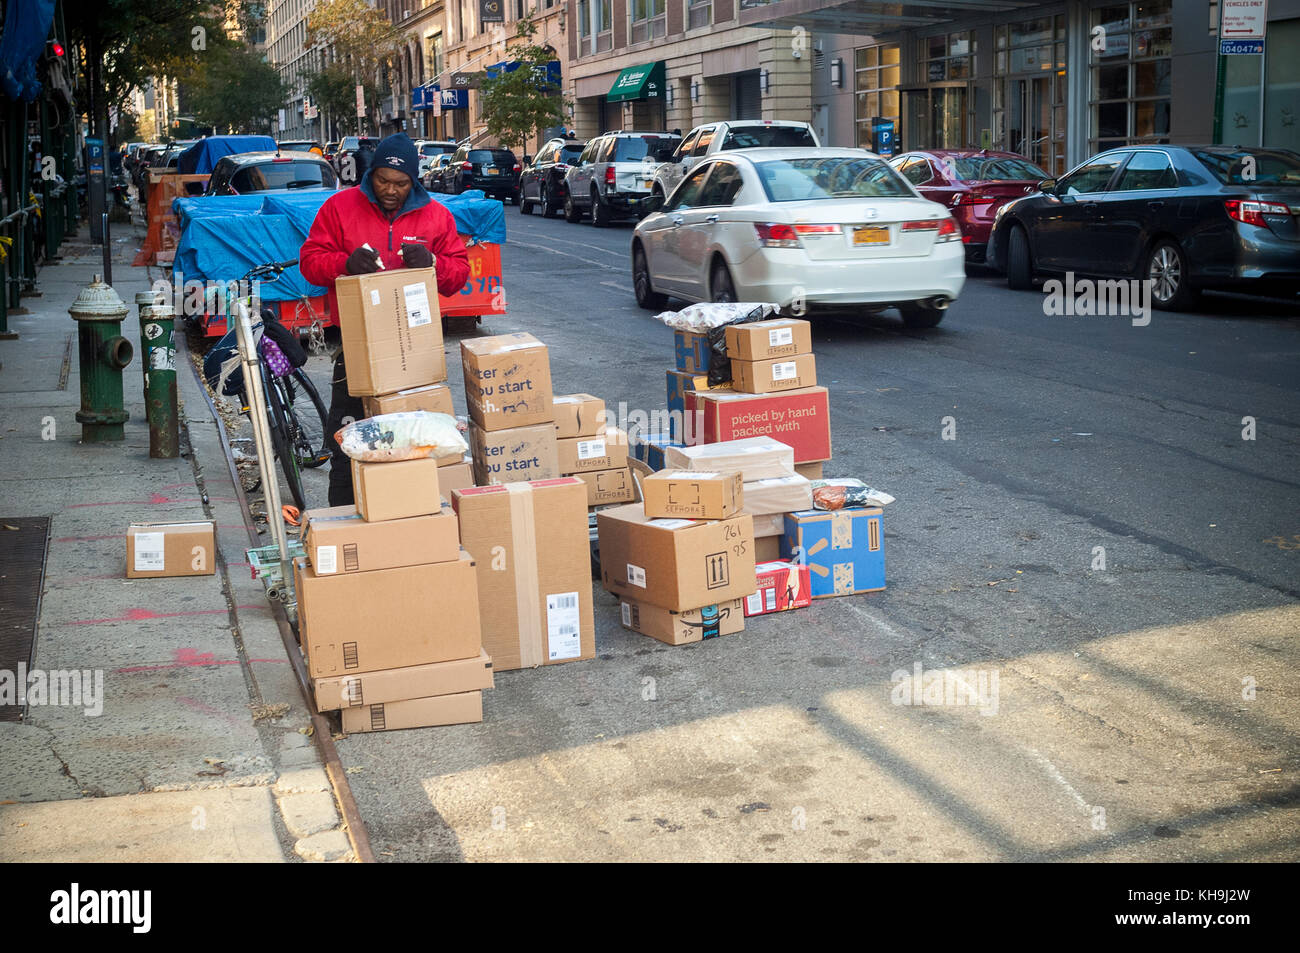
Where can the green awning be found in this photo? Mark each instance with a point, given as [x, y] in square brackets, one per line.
[638, 82]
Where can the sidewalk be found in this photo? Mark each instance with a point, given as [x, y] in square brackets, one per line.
[201, 751]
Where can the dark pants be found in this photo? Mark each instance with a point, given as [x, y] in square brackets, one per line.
[344, 408]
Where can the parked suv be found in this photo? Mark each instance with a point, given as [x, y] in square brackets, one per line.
[495, 171]
[614, 173]
[430, 149]
[542, 181]
[715, 137]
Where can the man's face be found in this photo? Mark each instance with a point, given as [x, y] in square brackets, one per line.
[391, 188]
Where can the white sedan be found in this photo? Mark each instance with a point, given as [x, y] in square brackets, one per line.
[801, 228]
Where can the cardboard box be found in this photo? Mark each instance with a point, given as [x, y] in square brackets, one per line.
[781, 586]
[681, 628]
[767, 548]
[389, 618]
[779, 374]
[799, 418]
[338, 539]
[692, 352]
[809, 471]
[578, 415]
[763, 340]
[463, 709]
[693, 493]
[605, 451]
[516, 455]
[769, 524]
[507, 381]
[171, 549]
[675, 563]
[534, 570]
[844, 549]
[650, 448]
[680, 383]
[755, 458]
[391, 329]
[455, 477]
[609, 486]
[783, 494]
[396, 489]
[435, 398]
[399, 684]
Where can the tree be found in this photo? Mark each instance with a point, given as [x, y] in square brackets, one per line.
[239, 92]
[364, 43]
[519, 102]
[333, 89]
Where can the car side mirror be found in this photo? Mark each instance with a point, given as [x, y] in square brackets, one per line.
[528, 160]
[652, 204]
[1047, 186]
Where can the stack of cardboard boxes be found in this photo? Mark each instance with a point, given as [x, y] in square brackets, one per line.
[591, 450]
[512, 417]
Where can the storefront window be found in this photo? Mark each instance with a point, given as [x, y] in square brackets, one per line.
[1029, 115]
[877, 76]
[948, 56]
[1130, 82]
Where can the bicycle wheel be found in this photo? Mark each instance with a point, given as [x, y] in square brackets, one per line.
[283, 426]
[310, 437]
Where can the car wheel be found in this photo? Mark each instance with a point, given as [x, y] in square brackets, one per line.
[646, 296]
[599, 213]
[525, 206]
[548, 210]
[720, 284]
[571, 213]
[515, 199]
[917, 315]
[1020, 270]
[1170, 282]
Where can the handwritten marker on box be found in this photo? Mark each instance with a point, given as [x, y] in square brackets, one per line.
[379, 261]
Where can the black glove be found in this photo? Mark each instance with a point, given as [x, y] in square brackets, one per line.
[363, 261]
[416, 256]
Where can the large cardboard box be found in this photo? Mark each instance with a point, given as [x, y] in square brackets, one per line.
[463, 709]
[682, 628]
[337, 539]
[650, 448]
[682, 427]
[399, 684]
[455, 477]
[534, 570]
[763, 340]
[391, 329]
[507, 381]
[606, 450]
[844, 549]
[755, 458]
[609, 486]
[170, 549]
[389, 618]
[675, 563]
[799, 418]
[396, 489]
[781, 586]
[783, 494]
[435, 398]
[779, 374]
[578, 415]
[693, 493]
[516, 455]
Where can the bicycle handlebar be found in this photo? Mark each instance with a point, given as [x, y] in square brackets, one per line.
[271, 268]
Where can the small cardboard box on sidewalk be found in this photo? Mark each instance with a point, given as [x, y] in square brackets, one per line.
[516, 455]
[755, 458]
[578, 415]
[391, 329]
[763, 340]
[534, 570]
[394, 490]
[781, 586]
[682, 628]
[399, 684]
[507, 381]
[779, 374]
[773, 495]
[606, 450]
[844, 549]
[799, 418]
[435, 398]
[170, 549]
[465, 708]
[608, 486]
[337, 539]
[693, 493]
[676, 564]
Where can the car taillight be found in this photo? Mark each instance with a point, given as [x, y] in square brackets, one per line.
[561, 167]
[1252, 213]
[467, 166]
[609, 175]
[281, 159]
[777, 235]
[517, 167]
[945, 228]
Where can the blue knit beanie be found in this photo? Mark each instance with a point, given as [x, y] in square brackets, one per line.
[397, 152]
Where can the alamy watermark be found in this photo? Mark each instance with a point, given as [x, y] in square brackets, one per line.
[1090, 297]
[973, 688]
[73, 688]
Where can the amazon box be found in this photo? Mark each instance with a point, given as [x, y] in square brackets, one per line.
[578, 415]
[606, 450]
[681, 628]
[170, 549]
[390, 618]
[844, 549]
[777, 495]
[507, 381]
[396, 489]
[435, 398]
[763, 340]
[781, 586]
[675, 564]
[779, 374]
[516, 455]
[800, 419]
[338, 539]
[465, 708]
[755, 458]
[693, 493]
[609, 486]
[398, 684]
[391, 329]
[534, 570]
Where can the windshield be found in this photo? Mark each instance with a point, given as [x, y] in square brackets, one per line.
[570, 153]
[1252, 167]
[498, 156]
[283, 175]
[830, 177]
[978, 168]
[751, 137]
[634, 149]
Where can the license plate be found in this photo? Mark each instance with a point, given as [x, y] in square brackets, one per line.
[494, 171]
[871, 235]
[649, 183]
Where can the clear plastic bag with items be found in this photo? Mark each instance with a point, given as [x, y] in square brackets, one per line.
[405, 436]
[847, 494]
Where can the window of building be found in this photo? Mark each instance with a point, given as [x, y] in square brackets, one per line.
[1129, 85]
[948, 56]
[699, 13]
[1029, 111]
[876, 81]
[595, 27]
[433, 56]
[649, 19]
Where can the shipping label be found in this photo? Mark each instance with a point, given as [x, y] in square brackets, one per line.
[780, 337]
[635, 575]
[150, 552]
[563, 626]
[668, 523]
[417, 305]
[785, 370]
[326, 561]
[591, 449]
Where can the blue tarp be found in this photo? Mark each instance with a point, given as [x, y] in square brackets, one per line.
[205, 206]
[299, 207]
[27, 24]
[476, 215]
[201, 158]
[226, 247]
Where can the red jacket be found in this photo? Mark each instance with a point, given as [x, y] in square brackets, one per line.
[351, 218]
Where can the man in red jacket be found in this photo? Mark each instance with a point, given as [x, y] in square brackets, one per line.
[404, 228]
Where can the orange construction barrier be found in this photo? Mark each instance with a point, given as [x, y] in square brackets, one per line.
[164, 230]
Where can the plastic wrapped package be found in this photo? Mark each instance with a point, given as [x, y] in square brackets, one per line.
[404, 436]
[841, 494]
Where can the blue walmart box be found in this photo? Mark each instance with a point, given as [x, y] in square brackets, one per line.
[649, 448]
[679, 383]
[844, 549]
[692, 351]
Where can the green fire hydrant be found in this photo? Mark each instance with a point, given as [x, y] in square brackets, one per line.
[157, 329]
[103, 352]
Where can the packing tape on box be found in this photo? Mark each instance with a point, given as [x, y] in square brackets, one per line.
[523, 539]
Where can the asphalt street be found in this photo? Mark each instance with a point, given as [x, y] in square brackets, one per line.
[1097, 536]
